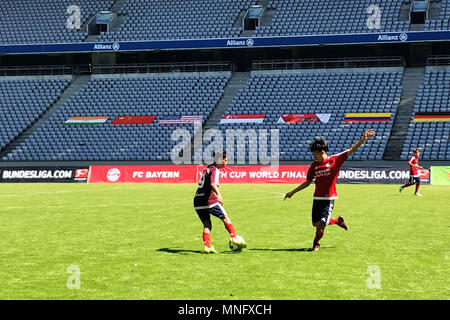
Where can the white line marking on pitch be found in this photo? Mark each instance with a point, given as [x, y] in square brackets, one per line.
[130, 204]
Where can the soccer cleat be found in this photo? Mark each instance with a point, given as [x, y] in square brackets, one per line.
[316, 247]
[400, 189]
[417, 194]
[209, 250]
[239, 241]
[341, 223]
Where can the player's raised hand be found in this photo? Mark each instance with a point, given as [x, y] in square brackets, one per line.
[368, 134]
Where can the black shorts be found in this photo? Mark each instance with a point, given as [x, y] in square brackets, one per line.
[217, 211]
[414, 180]
[321, 211]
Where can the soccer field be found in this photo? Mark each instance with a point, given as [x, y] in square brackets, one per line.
[144, 241]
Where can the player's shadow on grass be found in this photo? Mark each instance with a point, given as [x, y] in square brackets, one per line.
[179, 251]
[288, 249]
[186, 251]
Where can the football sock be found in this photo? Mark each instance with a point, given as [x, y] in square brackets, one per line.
[407, 185]
[207, 239]
[319, 235]
[417, 187]
[333, 220]
[230, 229]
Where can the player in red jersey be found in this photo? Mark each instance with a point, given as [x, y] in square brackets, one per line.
[208, 201]
[325, 170]
[414, 177]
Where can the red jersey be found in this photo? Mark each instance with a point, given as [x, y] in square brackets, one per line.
[413, 171]
[205, 197]
[326, 174]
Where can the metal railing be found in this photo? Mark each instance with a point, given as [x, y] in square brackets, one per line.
[163, 67]
[44, 70]
[331, 63]
[438, 61]
[113, 69]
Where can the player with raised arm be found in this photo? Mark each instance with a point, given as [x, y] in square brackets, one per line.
[414, 177]
[325, 170]
[208, 201]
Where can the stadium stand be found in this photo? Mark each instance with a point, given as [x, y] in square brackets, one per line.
[432, 137]
[23, 100]
[156, 20]
[123, 95]
[305, 17]
[44, 21]
[334, 92]
[41, 21]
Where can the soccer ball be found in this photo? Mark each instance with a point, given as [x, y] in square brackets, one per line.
[238, 245]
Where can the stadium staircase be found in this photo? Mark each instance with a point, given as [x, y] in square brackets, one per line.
[116, 8]
[238, 23]
[404, 11]
[416, 27]
[266, 19]
[435, 10]
[412, 79]
[75, 86]
[237, 81]
[113, 26]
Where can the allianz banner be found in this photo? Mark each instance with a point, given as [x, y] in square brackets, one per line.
[44, 174]
[378, 175]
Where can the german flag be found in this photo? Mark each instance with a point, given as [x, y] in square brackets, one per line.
[431, 116]
[368, 117]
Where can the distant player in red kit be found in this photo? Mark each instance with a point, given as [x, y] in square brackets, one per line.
[414, 178]
[325, 170]
[208, 201]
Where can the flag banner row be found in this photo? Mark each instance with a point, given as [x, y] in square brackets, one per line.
[290, 118]
[256, 118]
[243, 118]
[431, 116]
[368, 117]
[86, 120]
[134, 120]
[124, 120]
[307, 117]
[180, 119]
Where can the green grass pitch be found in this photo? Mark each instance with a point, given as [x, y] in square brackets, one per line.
[143, 241]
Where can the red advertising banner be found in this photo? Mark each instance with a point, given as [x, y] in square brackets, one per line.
[143, 174]
[292, 174]
[295, 174]
[192, 174]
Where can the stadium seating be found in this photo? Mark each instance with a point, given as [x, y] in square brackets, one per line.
[43, 21]
[123, 95]
[443, 23]
[23, 100]
[156, 20]
[432, 137]
[305, 17]
[336, 93]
